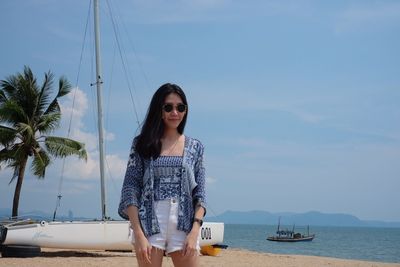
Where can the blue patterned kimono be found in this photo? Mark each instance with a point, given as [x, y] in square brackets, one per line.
[138, 187]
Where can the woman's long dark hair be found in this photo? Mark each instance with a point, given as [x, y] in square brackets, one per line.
[148, 143]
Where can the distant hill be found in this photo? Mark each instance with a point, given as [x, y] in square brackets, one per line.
[313, 218]
[309, 218]
[40, 215]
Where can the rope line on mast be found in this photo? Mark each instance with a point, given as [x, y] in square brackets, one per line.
[109, 93]
[59, 195]
[135, 51]
[124, 64]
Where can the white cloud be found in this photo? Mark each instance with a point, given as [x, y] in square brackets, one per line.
[210, 180]
[81, 170]
[109, 136]
[116, 166]
[77, 105]
[78, 169]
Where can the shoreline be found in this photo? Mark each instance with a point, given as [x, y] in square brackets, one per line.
[231, 257]
[309, 255]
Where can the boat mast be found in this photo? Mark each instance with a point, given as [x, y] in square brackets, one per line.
[279, 223]
[99, 83]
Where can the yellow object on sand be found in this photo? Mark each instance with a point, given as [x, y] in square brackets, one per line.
[210, 250]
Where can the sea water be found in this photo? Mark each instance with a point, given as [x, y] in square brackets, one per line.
[361, 243]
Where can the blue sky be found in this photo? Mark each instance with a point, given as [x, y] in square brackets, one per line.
[296, 102]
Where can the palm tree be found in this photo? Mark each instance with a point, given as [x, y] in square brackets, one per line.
[27, 115]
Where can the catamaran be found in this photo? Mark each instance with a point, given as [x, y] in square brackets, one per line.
[26, 237]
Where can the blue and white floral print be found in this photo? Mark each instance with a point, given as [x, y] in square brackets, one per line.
[167, 177]
[138, 187]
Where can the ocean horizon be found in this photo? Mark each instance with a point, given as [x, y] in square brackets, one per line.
[358, 243]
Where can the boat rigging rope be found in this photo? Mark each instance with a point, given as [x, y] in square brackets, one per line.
[59, 195]
[129, 81]
[125, 67]
[138, 60]
[124, 64]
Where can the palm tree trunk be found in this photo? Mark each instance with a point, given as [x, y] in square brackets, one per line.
[19, 186]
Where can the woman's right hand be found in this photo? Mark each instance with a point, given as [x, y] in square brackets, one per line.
[142, 248]
[142, 245]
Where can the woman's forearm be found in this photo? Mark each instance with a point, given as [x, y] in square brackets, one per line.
[198, 214]
[133, 214]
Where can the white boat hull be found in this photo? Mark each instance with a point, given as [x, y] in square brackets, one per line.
[91, 235]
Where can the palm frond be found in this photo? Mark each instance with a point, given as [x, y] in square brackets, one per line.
[29, 82]
[18, 156]
[9, 86]
[7, 135]
[48, 122]
[64, 87]
[27, 92]
[19, 152]
[62, 147]
[15, 174]
[3, 97]
[22, 89]
[44, 95]
[40, 161]
[28, 74]
[15, 165]
[11, 112]
[54, 107]
[27, 132]
[8, 158]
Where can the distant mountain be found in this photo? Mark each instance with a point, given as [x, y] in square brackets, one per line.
[40, 215]
[309, 218]
[313, 218]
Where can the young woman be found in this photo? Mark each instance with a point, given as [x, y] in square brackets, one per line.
[163, 193]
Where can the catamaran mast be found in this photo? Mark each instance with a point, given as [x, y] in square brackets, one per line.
[99, 107]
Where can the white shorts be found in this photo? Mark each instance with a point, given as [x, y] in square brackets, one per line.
[169, 239]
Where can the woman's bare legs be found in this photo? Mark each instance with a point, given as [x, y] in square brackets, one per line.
[180, 260]
[156, 258]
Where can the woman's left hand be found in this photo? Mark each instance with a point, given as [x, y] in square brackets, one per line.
[190, 245]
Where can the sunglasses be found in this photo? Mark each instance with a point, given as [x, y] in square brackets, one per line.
[169, 107]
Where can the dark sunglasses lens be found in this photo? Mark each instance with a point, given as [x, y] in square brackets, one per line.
[181, 108]
[168, 108]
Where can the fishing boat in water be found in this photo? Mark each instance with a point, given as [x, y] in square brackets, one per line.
[290, 235]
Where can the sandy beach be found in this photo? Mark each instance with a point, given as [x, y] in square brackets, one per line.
[228, 257]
